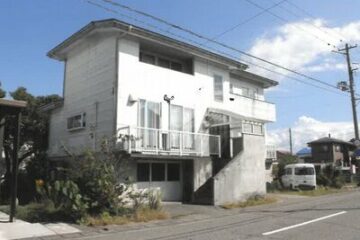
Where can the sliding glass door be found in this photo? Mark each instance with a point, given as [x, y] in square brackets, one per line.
[182, 121]
[149, 120]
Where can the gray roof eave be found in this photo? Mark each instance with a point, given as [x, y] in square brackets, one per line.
[142, 33]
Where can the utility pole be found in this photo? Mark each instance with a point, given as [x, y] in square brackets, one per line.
[290, 140]
[350, 88]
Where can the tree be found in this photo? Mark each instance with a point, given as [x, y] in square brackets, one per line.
[2, 92]
[33, 130]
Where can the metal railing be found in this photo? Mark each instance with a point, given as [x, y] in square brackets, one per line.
[165, 142]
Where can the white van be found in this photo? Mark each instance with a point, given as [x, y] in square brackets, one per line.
[299, 175]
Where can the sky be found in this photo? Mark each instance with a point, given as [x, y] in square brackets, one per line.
[293, 34]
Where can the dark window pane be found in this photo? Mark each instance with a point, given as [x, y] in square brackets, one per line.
[176, 66]
[163, 63]
[173, 172]
[143, 172]
[304, 171]
[147, 58]
[158, 172]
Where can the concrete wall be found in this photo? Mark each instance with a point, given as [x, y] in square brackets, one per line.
[244, 175]
[202, 171]
[89, 81]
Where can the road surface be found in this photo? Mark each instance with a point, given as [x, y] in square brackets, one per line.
[328, 217]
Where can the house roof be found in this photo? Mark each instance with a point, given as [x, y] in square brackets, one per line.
[330, 140]
[306, 151]
[11, 106]
[59, 52]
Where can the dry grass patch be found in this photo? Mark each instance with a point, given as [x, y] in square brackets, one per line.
[319, 191]
[141, 215]
[253, 201]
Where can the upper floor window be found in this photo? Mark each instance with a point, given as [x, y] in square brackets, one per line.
[253, 128]
[163, 61]
[244, 91]
[76, 122]
[218, 88]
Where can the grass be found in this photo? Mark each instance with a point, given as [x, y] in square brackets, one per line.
[141, 215]
[253, 201]
[319, 191]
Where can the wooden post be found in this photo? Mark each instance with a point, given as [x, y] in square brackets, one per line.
[14, 170]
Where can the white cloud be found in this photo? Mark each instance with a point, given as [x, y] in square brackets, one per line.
[294, 46]
[307, 129]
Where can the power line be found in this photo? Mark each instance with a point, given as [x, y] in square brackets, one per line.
[312, 16]
[245, 21]
[295, 26]
[220, 52]
[315, 26]
[217, 42]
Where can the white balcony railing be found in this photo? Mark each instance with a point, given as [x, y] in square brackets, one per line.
[270, 152]
[165, 142]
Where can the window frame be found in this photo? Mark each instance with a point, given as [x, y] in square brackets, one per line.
[158, 57]
[82, 121]
[217, 97]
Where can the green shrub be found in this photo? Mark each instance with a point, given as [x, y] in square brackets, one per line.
[154, 199]
[65, 196]
[273, 186]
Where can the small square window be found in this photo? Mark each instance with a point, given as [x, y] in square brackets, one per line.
[158, 172]
[173, 172]
[143, 172]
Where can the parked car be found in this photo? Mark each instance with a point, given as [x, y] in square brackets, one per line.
[299, 176]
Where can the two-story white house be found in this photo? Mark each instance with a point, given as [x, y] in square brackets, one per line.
[192, 121]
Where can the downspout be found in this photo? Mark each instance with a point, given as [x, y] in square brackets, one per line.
[116, 80]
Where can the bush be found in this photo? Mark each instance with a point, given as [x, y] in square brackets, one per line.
[65, 197]
[273, 186]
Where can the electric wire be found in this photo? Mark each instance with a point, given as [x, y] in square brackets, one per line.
[294, 26]
[213, 49]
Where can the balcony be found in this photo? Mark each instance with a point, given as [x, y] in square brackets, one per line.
[165, 142]
[250, 107]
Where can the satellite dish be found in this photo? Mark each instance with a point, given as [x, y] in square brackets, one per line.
[357, 143]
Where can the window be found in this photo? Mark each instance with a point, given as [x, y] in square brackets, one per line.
[165, 62]
[247, 128]
[143, 172]
[257, 129]
[176, 66]
[182, 119]
[148, 117]
[324, 148]
[304, 171]
[288, 171]
[158, 172]
[218, 88]
[337, 148]
[147, 58]
[76, 122]
[252, 128]
[173, 172]
[155, 171]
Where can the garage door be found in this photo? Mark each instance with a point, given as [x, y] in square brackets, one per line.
[163, 175]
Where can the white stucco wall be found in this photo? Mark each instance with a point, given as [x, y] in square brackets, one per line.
[202, 171]
[149, 82]
[244, 175]
[89, 79]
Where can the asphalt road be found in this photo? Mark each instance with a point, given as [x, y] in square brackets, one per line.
[327, 217]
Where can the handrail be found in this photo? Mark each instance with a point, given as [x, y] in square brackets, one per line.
[163, 141]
